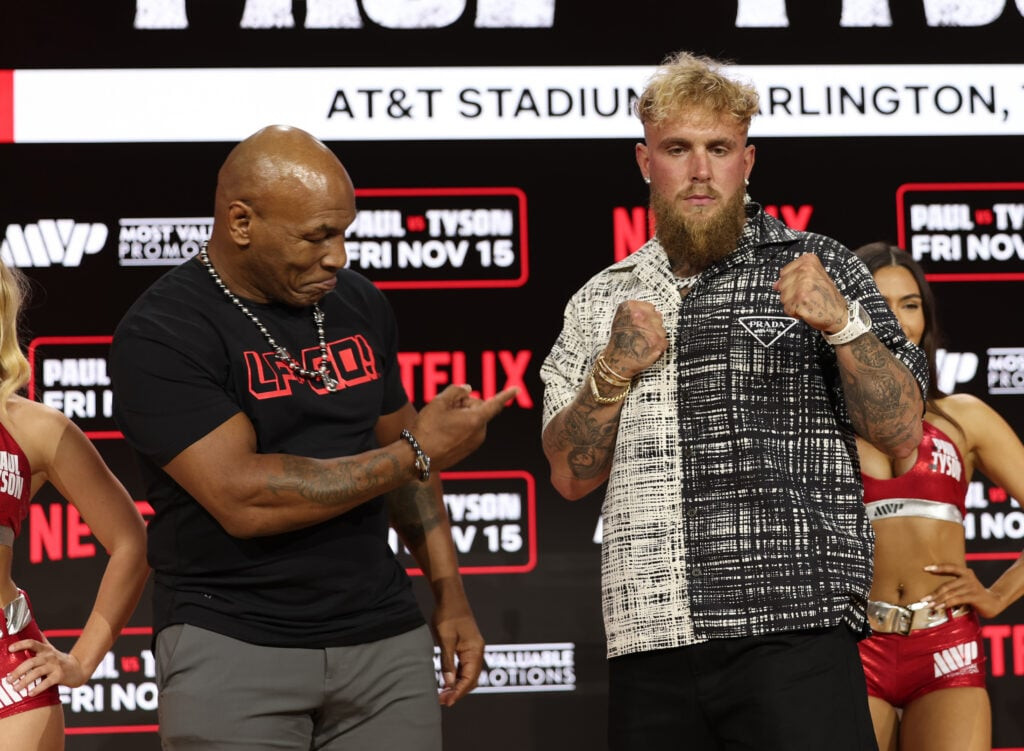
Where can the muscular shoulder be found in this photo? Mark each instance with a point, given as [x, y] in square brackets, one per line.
[835, 257]
[180, 294]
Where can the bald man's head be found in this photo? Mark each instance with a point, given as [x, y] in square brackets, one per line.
[283, 203]
[275, 162]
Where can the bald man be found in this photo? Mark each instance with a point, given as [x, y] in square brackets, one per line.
[259, 385]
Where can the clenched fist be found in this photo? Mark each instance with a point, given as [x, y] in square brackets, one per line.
[637, 340]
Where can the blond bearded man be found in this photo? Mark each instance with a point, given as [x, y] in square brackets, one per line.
[715, 379]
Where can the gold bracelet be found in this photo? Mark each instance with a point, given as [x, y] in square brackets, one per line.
[606, 399]
[605, 372]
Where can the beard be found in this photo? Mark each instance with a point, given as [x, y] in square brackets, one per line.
[694, 242]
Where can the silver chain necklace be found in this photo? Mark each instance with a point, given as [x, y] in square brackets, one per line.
[280, 352]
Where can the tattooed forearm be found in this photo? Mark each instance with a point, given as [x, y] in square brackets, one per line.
[333, 485]
[587, 441]
[414, 511]
[882, 397]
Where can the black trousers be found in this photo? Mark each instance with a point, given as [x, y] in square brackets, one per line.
[793, 691]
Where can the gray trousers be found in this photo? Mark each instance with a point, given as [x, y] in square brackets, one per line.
[220, 693]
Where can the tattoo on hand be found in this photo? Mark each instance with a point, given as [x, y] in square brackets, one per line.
[627, 340]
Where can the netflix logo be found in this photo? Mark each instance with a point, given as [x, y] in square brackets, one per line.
[426, 374]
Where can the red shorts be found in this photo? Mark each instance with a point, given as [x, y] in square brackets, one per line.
[13, 701]
[900, 668]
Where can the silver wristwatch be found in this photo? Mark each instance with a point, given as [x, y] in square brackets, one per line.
[859, 323]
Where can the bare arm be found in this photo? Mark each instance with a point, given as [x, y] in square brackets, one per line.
[579, 443]
[253, 494]
[580, 440]
[882, 396]
[72, 464]
[994, 447]
[419, 517]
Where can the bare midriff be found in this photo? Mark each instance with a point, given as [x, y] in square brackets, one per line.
[8, 589]
[903, 547]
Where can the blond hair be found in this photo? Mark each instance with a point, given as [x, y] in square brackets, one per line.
[14, 368]
[685, 81]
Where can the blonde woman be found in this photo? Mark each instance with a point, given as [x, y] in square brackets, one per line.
[925, 601]
[38, 445]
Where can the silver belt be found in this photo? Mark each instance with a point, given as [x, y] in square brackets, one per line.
[886, 618]
[17, 615]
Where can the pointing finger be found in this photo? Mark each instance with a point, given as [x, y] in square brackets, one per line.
[497, 403]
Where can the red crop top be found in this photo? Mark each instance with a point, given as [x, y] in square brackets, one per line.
[15, 483]
[935, 487]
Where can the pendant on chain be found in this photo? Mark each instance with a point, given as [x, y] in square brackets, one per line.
[320, 374]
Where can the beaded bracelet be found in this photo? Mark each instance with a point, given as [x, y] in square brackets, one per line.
[422, 462]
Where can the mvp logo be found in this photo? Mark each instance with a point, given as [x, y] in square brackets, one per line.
[883, 510]
[956, 658]
[51, 242]
[954, 368]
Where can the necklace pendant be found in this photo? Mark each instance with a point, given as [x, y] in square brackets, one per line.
[282, 354]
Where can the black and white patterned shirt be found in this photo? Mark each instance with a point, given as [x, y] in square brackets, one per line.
[734, 504]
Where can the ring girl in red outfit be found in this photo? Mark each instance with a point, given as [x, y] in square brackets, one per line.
[924, 661]
[38, 445]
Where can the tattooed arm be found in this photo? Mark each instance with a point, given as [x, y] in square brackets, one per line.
[418, 515]
[882, 396]
[579, 441]
[253, 494]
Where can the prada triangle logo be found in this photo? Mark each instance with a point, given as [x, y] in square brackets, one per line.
[767, 329]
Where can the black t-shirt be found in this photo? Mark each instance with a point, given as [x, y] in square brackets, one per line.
[184, 360]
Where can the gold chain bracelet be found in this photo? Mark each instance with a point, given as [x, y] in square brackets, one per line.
[606, 399]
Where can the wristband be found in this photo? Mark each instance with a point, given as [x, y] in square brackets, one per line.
[422, 462]
[858, 324]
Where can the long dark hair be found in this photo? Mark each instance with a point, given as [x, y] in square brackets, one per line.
[880, 254]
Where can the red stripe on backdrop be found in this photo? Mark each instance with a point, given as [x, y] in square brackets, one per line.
[108, 730]
[1008, 556]
[6, 106]
[972, 276]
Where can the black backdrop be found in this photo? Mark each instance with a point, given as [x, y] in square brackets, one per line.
[87, 168]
